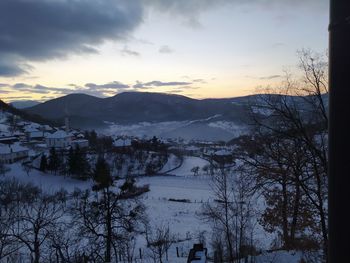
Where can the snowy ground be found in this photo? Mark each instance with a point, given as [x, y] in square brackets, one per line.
[182, 217]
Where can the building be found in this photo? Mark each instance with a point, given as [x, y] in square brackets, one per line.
[33, 133]
[12, 152]
[58, 139]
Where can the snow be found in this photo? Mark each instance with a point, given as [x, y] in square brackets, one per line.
[46, 181]
[13, 148]
[279, 257]
[182, 217]
[172, 163]
[188, 163]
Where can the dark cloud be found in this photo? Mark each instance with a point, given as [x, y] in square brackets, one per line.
[129, 52]
[8, 68]
[165, 49]
[35, 30]
[40, 89]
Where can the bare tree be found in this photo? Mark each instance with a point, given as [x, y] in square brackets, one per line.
[294, 119]
[108, 214]
[36, 220]
[159, 240]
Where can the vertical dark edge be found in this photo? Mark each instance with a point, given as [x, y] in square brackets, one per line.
[339, 133]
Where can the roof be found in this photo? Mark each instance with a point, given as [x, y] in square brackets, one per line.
[30, 129]
[58, 135]
[16, 147]
[223, 153]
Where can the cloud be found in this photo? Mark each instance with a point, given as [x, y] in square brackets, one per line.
[129, 52]
[38, 30]
[199, 81]
[8, 68]
[190, 10]
[17, 98]
[264, 77]
[102, 90]
[110, 85]
[271, 77]
[157, 83]
[165, 49]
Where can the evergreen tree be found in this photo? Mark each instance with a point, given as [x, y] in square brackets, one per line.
[102, 175]
[71, 161]
[54, 160]
[43, 163]
[82, 165]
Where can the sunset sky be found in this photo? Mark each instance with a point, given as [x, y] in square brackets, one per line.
[197, 48]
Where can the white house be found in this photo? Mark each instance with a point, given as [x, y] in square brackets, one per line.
[58, 139]
[33, 133]
[12, 152]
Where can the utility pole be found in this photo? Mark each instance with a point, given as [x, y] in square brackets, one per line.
[339, 135]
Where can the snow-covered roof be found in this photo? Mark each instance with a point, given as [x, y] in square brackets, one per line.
[58, 135]
[223, 152]
[36, 134]
[16, 147]
[121, 142]
[47, 127]
[79, 141]
[30, 129]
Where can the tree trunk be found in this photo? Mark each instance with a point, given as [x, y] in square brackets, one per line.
[109, 227]
[295, 213]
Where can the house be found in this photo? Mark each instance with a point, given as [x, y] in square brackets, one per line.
[58, 139]
[33, 133]
[12, 152]
[122, 142]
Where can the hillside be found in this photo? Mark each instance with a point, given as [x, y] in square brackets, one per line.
[134, 107]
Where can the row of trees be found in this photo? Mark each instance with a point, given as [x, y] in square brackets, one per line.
[74, 163]
[92, 225]
[285, 161]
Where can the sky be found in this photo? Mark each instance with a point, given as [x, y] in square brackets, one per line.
[196, 48]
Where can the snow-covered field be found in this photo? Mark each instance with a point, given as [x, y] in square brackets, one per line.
[182, 217]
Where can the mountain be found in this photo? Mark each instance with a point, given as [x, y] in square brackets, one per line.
[22, 104]
[25, 115]
[133, 107]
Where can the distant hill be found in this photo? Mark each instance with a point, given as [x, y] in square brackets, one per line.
[133, 107]
[22, 104]
[25, 115]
